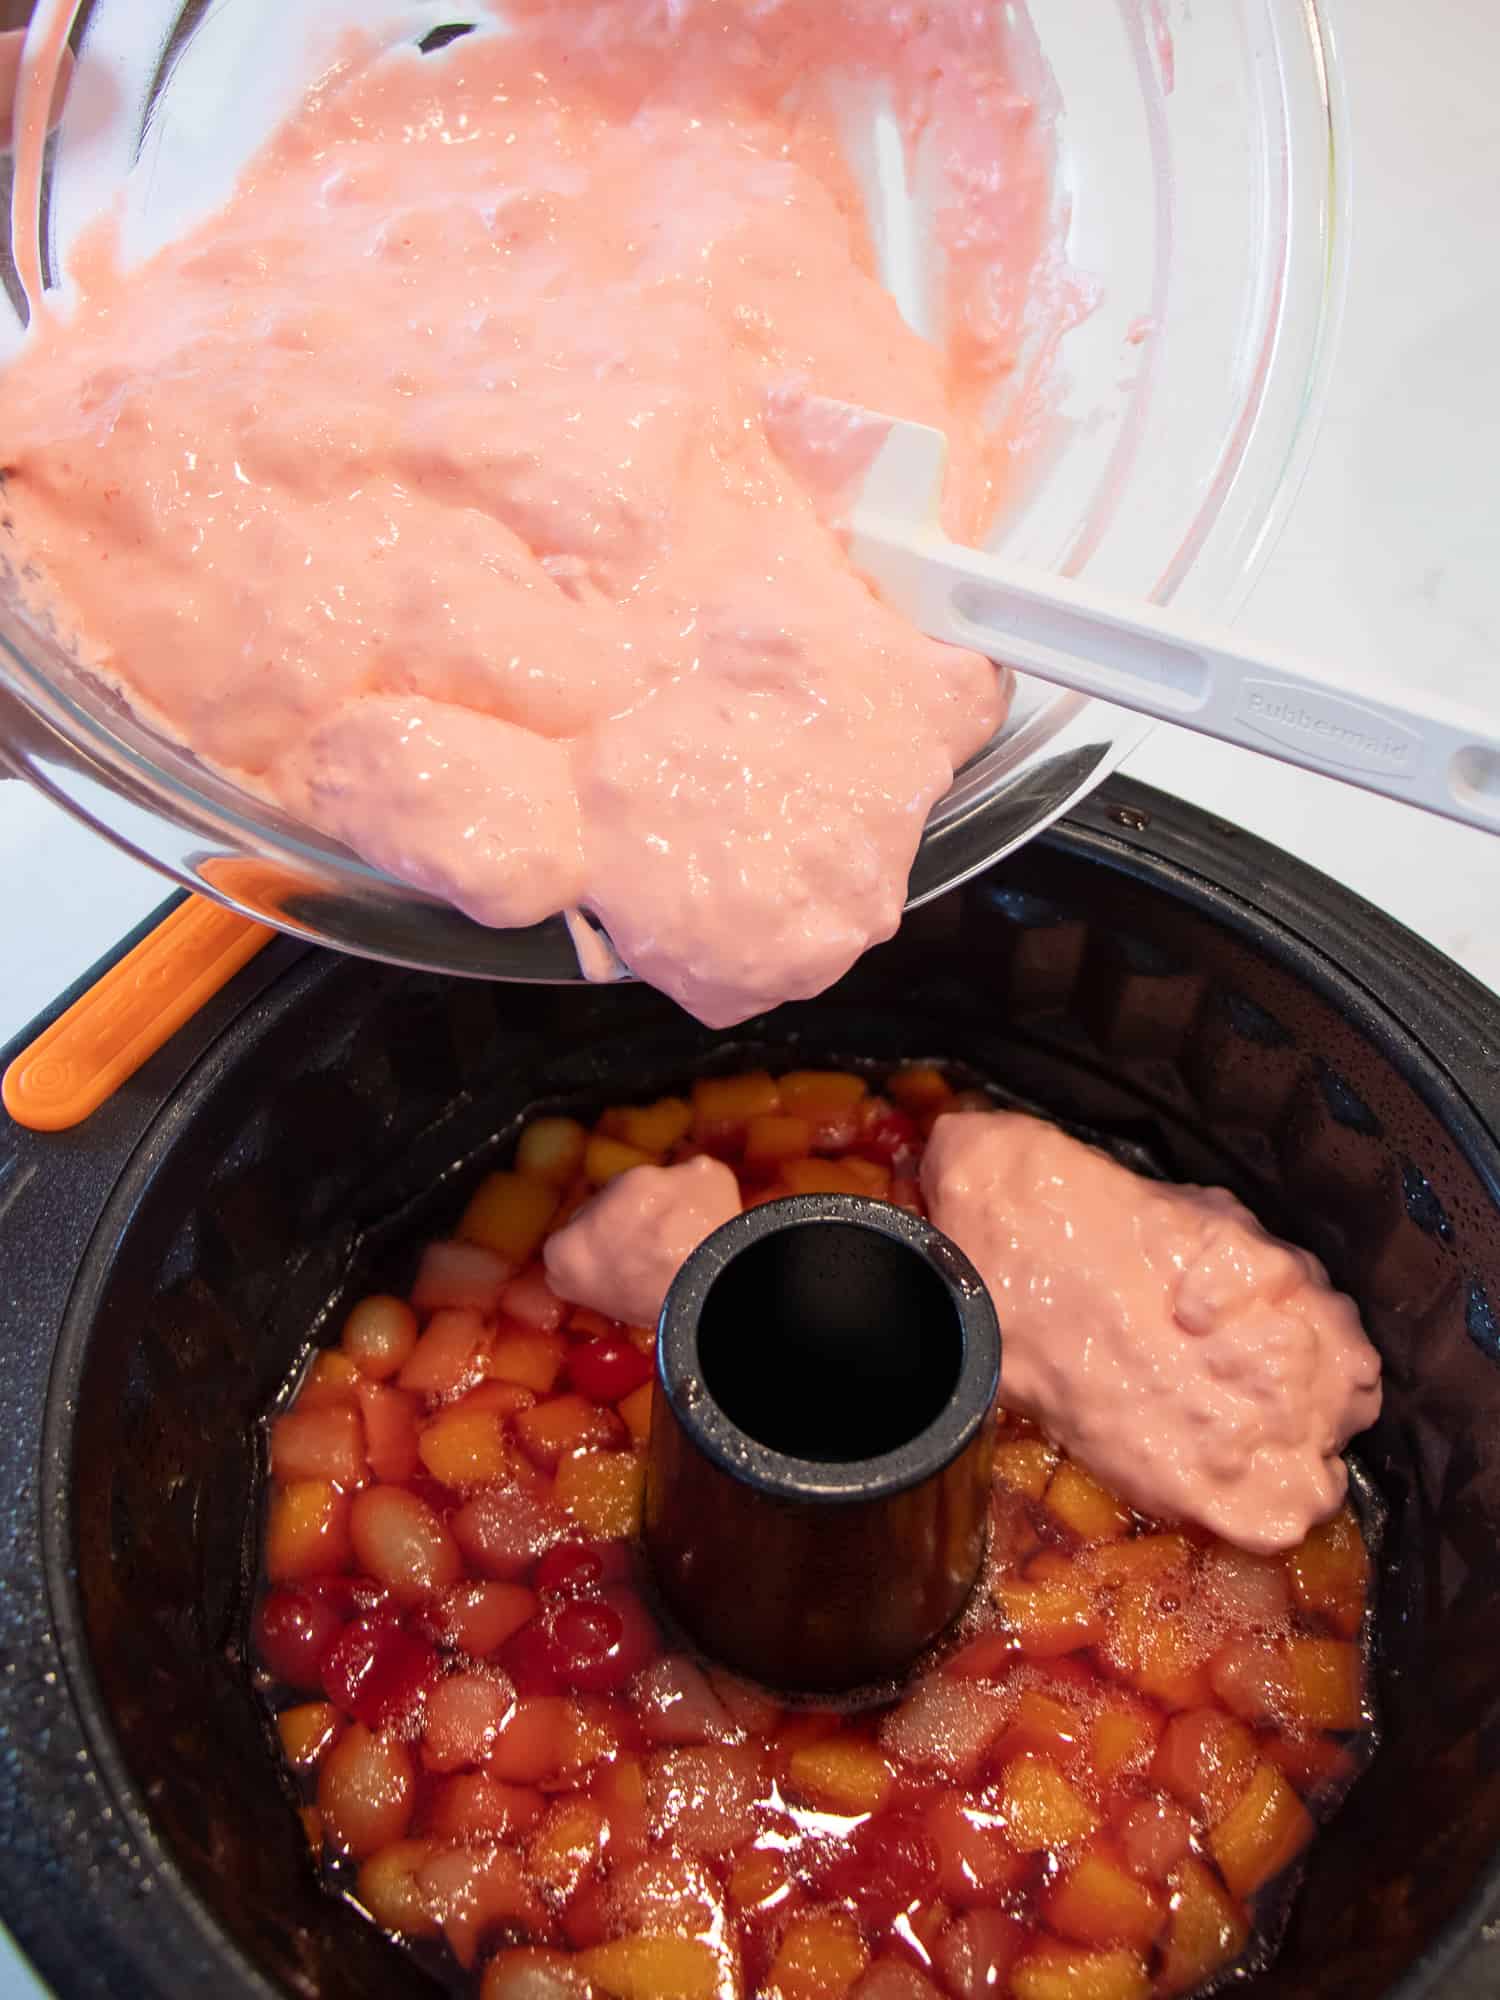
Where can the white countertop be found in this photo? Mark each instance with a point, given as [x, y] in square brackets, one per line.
[1391, 560]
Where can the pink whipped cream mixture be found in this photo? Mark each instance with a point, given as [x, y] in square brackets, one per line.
[624, 1247]
[1202, 1369]
[452, 488]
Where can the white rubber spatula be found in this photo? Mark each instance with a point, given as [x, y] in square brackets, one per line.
[1427, 753]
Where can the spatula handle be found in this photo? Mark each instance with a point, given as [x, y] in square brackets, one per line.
[1428, 753]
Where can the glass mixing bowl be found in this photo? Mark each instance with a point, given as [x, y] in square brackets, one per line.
[1202, 170]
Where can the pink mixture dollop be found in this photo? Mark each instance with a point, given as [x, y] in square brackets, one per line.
[1202, 1369]
[451, 488]
[623, 1248]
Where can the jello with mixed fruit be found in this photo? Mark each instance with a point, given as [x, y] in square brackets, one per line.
[1093, 1789]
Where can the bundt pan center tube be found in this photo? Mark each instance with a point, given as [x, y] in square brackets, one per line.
[820, 1539]
[1205, 1006]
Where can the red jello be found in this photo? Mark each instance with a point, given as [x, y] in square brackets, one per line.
[1097, 1785]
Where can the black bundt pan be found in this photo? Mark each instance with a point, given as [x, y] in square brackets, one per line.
[1142, 970]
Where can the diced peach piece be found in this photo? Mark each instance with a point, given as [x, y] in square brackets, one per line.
[502, 1399]
[1054, 1566]
[551, 1149]
[390, 1420]
[758, 1881]
[503, 1530]
[567, 1844]
[947, 1724]
[307, 1530]
[874, 1177]
[531, 1301]
[666, 1892]
[845, 1774]
[1041, 1809]
[606, 1159]
[1139, 1559]
[1086, 1508]
[810, 1725]
[652, 1128]
[462, 1277]
[1060, 1972]
[1330, 1573]
[773, 1138]
[1160, 1650]
[1121, 1741]
[975, 1861]
[402, 1542]
[325, 1442]
[620, 1789]
[312, 1828]
[379, 1334]
[534, 1740]
[308, 1732]
[724, 1105]
[329, 1382]
[851, 1176]
[603, 1491]
[1261, 1834]
[508, 1213]
[1207, 1929]
[531, 1357]
[1326, 1683]
[992, 1656]
[566, 1424]
[816, 1094]
[1250, 1678]
[465, 1448]
[1206, 1759]
[450, 1355]
[1049, 1618]
[473, 1806]
[652, 1965]
[464, 1715]
[919, 1087]
[366, 1791]
[389, 1889]
[473, 1890]
[1044, 1725]
[636, 1412]
[821, 1956]
[478, 1618]
[1025, 1465]
[1098, 1902]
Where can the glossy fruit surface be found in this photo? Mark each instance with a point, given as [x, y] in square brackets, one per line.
[1081, 1795]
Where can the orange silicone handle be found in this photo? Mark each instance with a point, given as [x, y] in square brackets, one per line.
[125, 1017]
